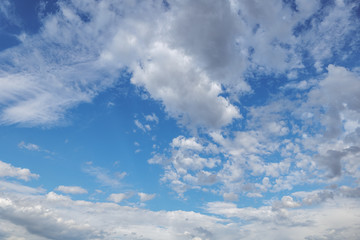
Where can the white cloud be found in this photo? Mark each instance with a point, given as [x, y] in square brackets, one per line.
[141, 126]
[186, 143]
[7, 170]
[26, 213]
[273, 223]
[40, 217]
[152, 118]
[337, 95]
[186, 91]
[193, 57]
[185, 168]
[103, 176]
[74, 60]
[29, 146]
[6, 186]
[146, 197]
[230, 197]
[71, 189]
[288, 202]
[118, 197]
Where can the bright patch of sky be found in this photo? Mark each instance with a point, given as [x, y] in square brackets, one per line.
[185, 119]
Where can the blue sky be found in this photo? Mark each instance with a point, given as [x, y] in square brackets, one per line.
[179, 119]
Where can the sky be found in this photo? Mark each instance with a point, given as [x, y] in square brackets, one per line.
[179, 119]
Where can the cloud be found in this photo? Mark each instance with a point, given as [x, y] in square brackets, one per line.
[145, 127]
[19, 188]
[185, 168]
[7, 170]
[103, 177]
[146, 197]
[186, 143]
[26, 213]
[314, 197]
[188, 94]
[230, 197]
[265, 221]
[71, 189]
[152, 118]
[198, 59]
[75, 58]
[65, 218]
[29, 146]
[118, 197]
[37, 219]
[337, 95]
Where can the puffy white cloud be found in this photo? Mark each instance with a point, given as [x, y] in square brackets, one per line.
[193, 56]
[297, 223]
[186, 91]
[76, 56]
[54, 216]
[71, 189]
[288, 202]
[146, 197]
[337, 95]
[8, 170]
[186, 143]
[185, 167]
[118, 197]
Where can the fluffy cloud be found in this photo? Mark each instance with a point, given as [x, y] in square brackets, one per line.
[279, 222]
[186, 91]
[68, 219]
[7, 170]
[118, 197]
[85, 60]
[71, 189]
[83, 48]
[146, 197]
[26, 215]
[185, 168]
[193, 57]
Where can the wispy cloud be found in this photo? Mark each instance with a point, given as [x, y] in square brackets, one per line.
[29, 146]
[103, 176]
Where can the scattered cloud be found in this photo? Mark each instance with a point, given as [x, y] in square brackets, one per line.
[265, 94]
[8, 170]
[146, 197]
[71, 189]
[29, 146]
[103, 176]
[118, 197]
[152, 118]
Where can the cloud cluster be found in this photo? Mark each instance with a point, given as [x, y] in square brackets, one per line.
[188, 164]
[317, 143]
[187, 55]
[24, 215]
